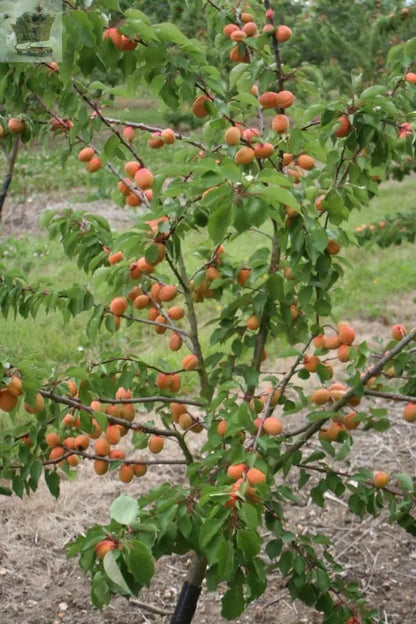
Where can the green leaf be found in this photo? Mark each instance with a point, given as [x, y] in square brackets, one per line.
[52, 481]
[225, 558]
[233, 600]
[124, 509]
[405, 480]
[219, 221]
[139, 562]
[100, 592]
[209, 530]
[248, 542]
[113, 572]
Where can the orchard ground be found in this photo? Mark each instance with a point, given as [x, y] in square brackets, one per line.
[37, 583]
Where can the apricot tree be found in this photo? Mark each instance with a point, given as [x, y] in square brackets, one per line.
[261, 174]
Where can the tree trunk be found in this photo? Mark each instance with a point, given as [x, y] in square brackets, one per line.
[191, 589]
[11, 159]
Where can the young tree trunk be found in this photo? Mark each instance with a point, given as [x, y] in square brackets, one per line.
[191, 589]
[11, 160]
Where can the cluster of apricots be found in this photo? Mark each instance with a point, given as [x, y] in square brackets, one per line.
[185, 420]
[9, 398]
[87, 155]
[72, 438]
[246, 29]
[138, 183]
[162, 137]
[121, 42]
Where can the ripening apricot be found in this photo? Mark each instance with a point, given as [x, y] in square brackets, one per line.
[343, 128]
[236, 471]
[190, 362]
[167, 293]
[332, 247]
[238, 35]
[117, 454]
[176, 313]
[100, 466]
[287, 159]
[381, 479]
[56, 453]
[94, 165]
[310, 363]
[123, 186]
[113, 34]
[153, 314]
[255, 476]
[129, 133]
[134, 293]
[185, 421]
[351, 421]
[132, 167]
[228, 29]
[86, 154]
[112, 434]
[133, 200]
[177, 409]
[246, 17]
[156, 444]
[283, 33]
[126, 473]
[409, 413]
[118, 305]
[237, 57]
[8, 401]
[222, 428]
[82, 442]
[162, 321]
[116, 257]
[346, 335]
[141, 302]
[15, 387]
[272, 425]
[69, 443]
[250, 29]
[410, 77]
[168, 136]
[72, 460]
[268, 99]
[212, 273]
[253, 322]
[250, 134]
[105, 546]
[37, 407]
[175, 342]
[280, 124]
[139, 470]
[144, 178]
[319, 342]
[163, 381]
[232, 136]
[16, 126]
[244, 156]
[68, 420]
[332, 432]
[156, 141]
[52, 439]
[199, 106]
[175, 383]
[306, 162]
[343, 353]
[284, 99]
[321, 396]
[398, 331]
[263, 150]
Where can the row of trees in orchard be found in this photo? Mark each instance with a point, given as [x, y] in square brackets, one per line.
[261, 169]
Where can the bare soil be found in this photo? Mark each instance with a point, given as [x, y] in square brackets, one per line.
[38, 585]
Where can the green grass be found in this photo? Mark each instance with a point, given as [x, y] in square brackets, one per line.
[378, 275]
